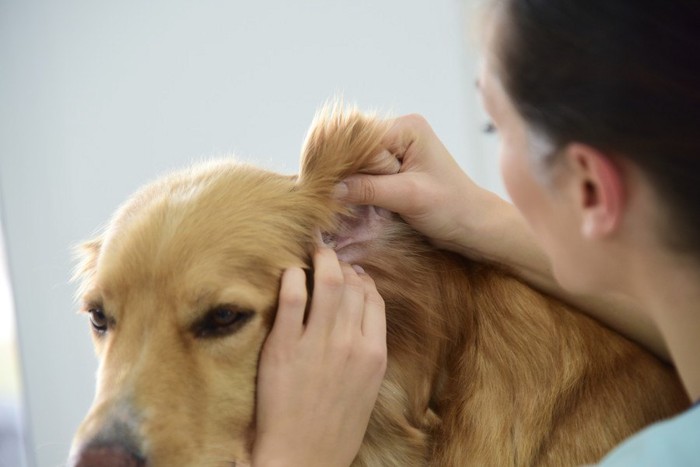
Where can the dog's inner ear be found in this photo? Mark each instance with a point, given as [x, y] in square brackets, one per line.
[356, 230]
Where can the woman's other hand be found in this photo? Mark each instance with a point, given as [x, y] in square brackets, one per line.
[318, 382]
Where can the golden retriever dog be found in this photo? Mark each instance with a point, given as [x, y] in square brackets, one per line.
[181, 289]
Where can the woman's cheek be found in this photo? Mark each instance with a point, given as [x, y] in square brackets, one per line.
[512, 175]
[524, 190]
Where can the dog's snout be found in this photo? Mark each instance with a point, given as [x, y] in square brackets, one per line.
[109, 436]
[107, 456]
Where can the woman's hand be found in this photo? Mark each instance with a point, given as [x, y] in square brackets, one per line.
[422, 182]
[318, 382]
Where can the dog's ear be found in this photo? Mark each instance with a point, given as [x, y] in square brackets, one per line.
[86, 255]
[340, 142]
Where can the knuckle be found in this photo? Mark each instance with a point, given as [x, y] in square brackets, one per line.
[418, 126]
[366, 279]
[416, 121]
[416, 193]
[292, 291]
[324, 254]
[292, 298]
[385, 163]
[352, 279]
[370, 289]
[376, 299]
[330, 280]
[341, 348]
[353, 286]
[367, 190]
[376, 357]
[412, 185]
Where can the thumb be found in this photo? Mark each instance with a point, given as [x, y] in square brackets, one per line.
[385, 191]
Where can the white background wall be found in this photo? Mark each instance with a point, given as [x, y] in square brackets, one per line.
[97, 98]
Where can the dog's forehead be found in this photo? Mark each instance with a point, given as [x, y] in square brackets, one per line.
[218, 221]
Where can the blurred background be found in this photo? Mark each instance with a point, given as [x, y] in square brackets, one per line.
[98, 98]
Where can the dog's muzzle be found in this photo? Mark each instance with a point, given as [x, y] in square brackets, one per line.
[116, 444]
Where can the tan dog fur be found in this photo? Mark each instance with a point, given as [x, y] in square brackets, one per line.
[482, 369]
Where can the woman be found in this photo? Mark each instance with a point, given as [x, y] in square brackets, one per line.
[597, 104]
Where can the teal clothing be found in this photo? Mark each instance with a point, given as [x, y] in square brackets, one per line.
[674, 442]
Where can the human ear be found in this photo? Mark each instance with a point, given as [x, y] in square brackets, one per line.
[600, 190]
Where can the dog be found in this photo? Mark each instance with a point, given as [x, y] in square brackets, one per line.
[181, 289]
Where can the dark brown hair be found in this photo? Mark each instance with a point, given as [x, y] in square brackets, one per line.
[620, 75]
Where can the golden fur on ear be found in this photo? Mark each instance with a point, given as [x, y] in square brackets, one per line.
[340, 142]
[86, 255]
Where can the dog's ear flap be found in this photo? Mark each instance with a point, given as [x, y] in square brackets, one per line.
[86, 255]
[341, 142]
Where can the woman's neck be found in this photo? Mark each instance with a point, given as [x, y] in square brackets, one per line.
[670, 291]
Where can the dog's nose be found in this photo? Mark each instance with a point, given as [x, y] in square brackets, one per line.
[106, 456]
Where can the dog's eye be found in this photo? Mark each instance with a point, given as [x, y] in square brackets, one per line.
[99, 320]
[222, 321]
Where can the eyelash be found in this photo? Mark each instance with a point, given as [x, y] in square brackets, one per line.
[489, 128]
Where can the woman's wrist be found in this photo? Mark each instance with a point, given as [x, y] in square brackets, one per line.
[487, 229]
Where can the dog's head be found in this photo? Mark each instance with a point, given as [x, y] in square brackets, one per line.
[181, 290]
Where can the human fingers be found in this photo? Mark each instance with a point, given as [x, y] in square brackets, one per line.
[289, 320]
[328, 290]
[400, 193]
[374, 317]
[350, 311]
[424, 166]
[383, 163]
[403, 134]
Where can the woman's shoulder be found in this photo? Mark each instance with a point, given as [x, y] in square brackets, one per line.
[675, 441]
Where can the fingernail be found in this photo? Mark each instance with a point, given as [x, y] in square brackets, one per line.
[358, 269]
[341, 190]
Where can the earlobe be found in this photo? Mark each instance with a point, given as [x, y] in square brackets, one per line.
[601, 186]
